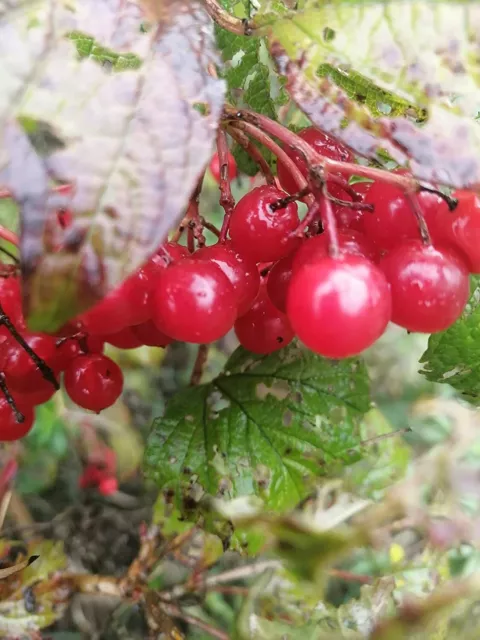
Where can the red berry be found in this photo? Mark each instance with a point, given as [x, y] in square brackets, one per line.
[11, 300]
[108, 485]
[93, 382]
[76, 345]
[459, 228]
[258, 232]
[349, 241]
[279, 280]
[173, 252]
[429, 286]
[65, 218]
[263, 329]
[43, 392]
[22, 372]
[149, 335]
[194, 302]
[242, 272]
[215, 167]
[321, 142]
[126, 305]
[124, 339]
[393, 221]
[339, 307]
[10, 429]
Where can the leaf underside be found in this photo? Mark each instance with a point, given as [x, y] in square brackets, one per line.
[267, 427]
[348, 62]
[123, 111]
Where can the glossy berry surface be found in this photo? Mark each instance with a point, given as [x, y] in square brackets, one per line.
[279, 281]
[215, 167]
[194, 302]
[22, 372]
[349, 241]
[460, 227]
[242, 272]
[323, 144]
[339, 307]
[10, 429]
[150, 335]
[124, 339]
[258, 232]
[393, 221]
[11, 300]
[263, 329]
[429, 286]
[94, 382]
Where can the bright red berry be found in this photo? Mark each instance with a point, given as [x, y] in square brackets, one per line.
[108, 485]
[79, 344]
[126, 305]
[349, 241]
[263, 329]
[215, 167]
[194, 302]
[279, 280]
[93, 382]
[242, 272]
[43, 392]
[323, 144]
[260, 233]
[339, 307]
[149, 335]
[393, 221]
[429, 286]
[11, 300]
[460, 228]
[23, 374]
[124, 339]
[10, 429]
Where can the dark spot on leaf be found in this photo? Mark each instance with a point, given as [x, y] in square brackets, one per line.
[288, 451]
[287, 418]
[187, 471]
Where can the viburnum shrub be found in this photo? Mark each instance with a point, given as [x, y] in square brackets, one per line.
[284, 182]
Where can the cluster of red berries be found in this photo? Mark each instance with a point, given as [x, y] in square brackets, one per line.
[266, 283]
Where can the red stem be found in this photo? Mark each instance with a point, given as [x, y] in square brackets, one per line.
[280, 153]
[227, 201]
[329, 224]
[9, 236]
[404, 182]
[254, 152]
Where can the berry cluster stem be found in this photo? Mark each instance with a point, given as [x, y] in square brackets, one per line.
[227, 201]
[262, 137]
[253, 151]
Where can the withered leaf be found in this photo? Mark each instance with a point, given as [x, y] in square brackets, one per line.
[422, 56]
[133, 143]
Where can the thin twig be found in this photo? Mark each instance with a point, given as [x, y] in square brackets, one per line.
[451, 202]
[198, 367]
[348, 576]
[239, 573]
[210, 226]
[19, 417]
[254, 152]
[10, 255]
[45, 370]
[227, 201]
[227, 21]
[176, 612]
[281, 203]
[417, 212]
[7, 496]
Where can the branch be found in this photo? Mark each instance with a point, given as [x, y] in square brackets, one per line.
[176, 612]
[227, 21]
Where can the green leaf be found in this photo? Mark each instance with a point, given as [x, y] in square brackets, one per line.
[15, 619]
[453, 356]
[128, 133]
[348, 62]
[266, 427]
